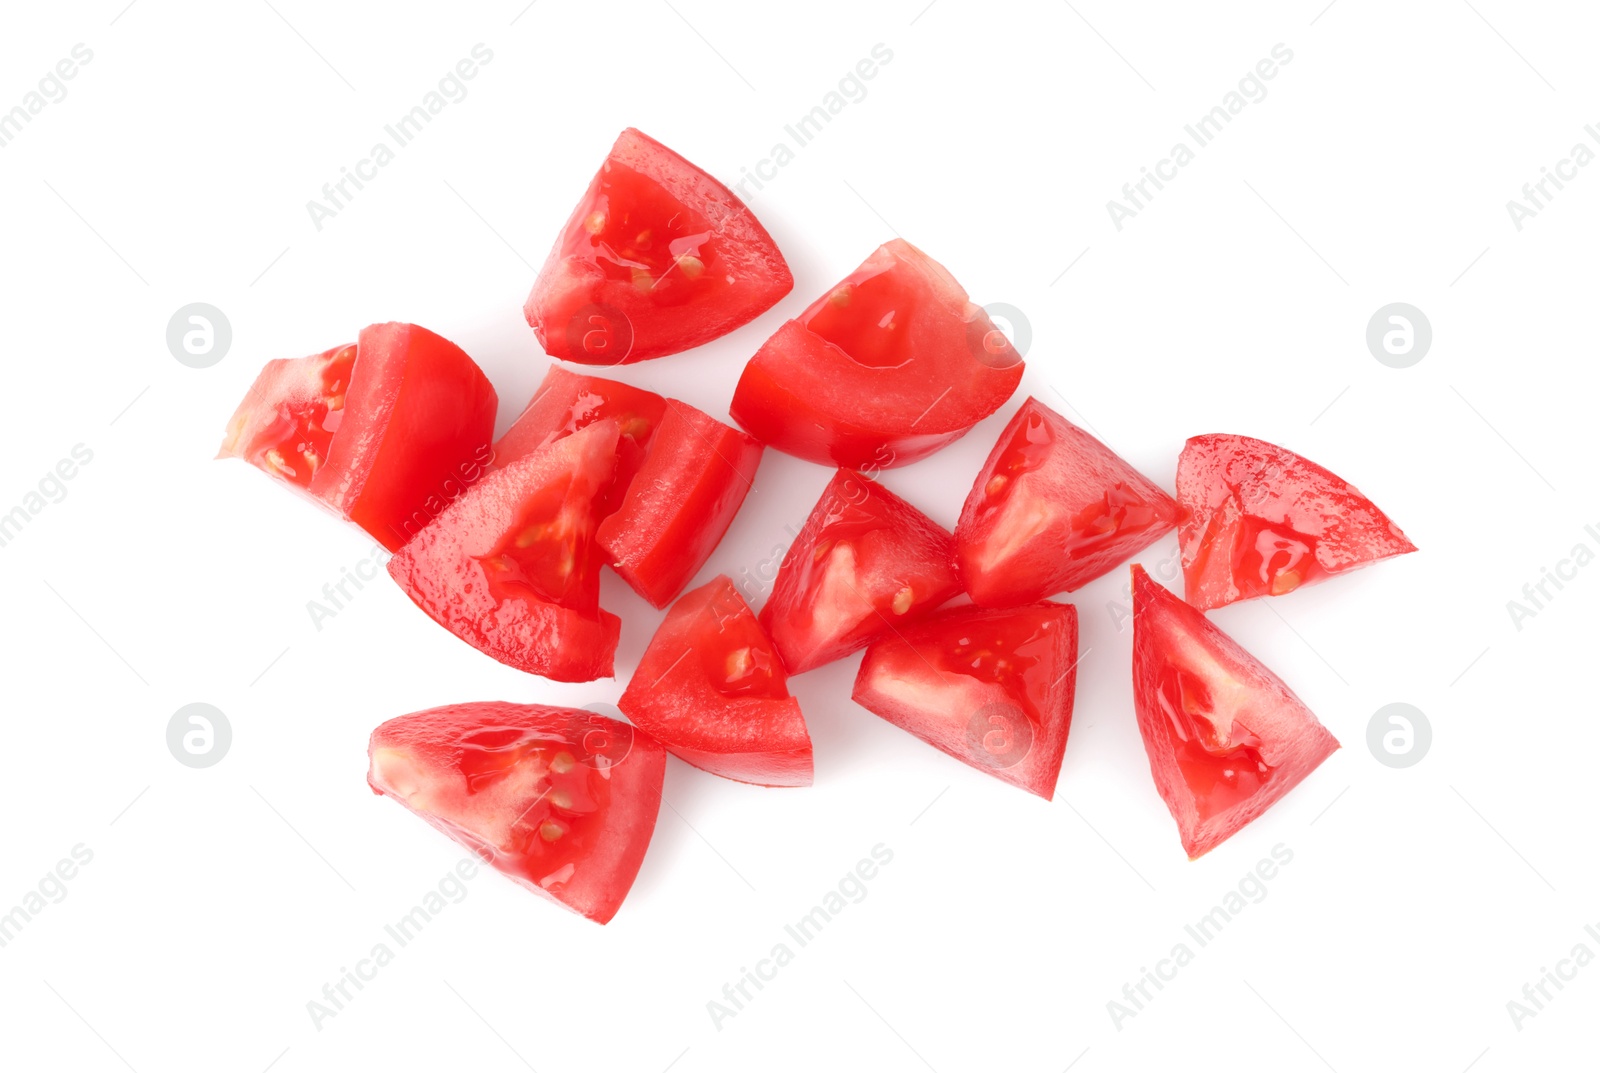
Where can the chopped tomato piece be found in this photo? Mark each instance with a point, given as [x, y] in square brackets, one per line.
[1260, 520]
[1052, 509]
[566, 402]
[561, 800]
[1226, 738]
[712, 690]
[658, 257]
[384, 432]
[511, 567]
[866, 562]
[680, 503]
[993, 688]
[890, 365]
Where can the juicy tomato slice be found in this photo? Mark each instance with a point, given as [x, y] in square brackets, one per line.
[511, 567]
[680, 503]
[991, 687]
[1260, 520]
[384, 432]
[865, 563]
[1226, 738]
[1052, 509]
[711, 689]
[890, 365]
[566, 402]
[561, 800]
[657, 258]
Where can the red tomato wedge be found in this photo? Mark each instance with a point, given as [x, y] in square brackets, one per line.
[658, 257]
[511, 567]
[566, 402]
[712, 690]
[1260, 520]
[680, 503]
[384, 431]
[1226, 738]
[1052, 509]
[993, 688]
[865, 563]
[890, 365]
[561, 800]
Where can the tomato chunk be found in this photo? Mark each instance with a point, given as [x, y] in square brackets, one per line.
[711, 689]
[1260, 520]
[561, 800]
[566, 402]
[865, 563]
[511, 566]
[1226, 738]
[384, 432]
[991, 687]
[658, 257]
[680, 503]
[890, 365]
[1052, 509]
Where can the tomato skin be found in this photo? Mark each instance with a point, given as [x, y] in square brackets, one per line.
[1226, 738]
[712, 690]
[1260, 520]
[891, 364]
[993, 688]
[865, 563]
[586, 306]
[412, 431]
[491, 775]
[680, 503]
[539, 612]
[1052, 509]
[566, 402]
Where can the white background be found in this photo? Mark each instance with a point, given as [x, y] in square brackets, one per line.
[1377, 169]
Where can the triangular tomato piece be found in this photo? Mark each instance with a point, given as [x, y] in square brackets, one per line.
[511, 567]
[865, 563]
[1052, 509]
[658, 257]
[1226, 738]
[560, 799]
[379, 431]
[680, 503]
[893, 363]
[1260, 520]
[712, 690]
[993, 688]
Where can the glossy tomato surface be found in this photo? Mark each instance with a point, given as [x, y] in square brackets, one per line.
[992, 688]
[511, 566]
[1260, 520]
[657, 257]
[890, 365]
[567, 402]
[865, 563]
[561, 800]
[680, 503]
[1226, 738]
[711, 689]
[384, 432]
[1052, 509]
